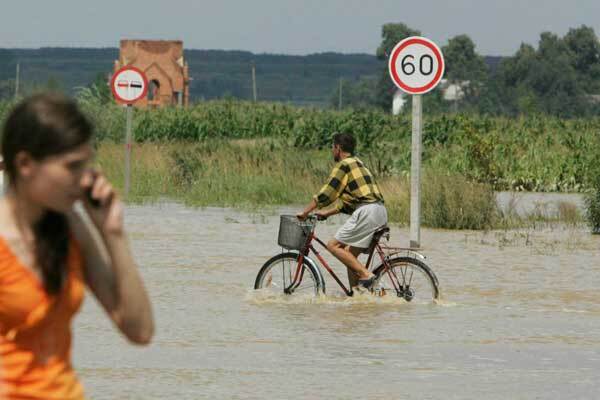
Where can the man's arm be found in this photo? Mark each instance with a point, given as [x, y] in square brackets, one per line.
[328, 213]
[329, 193]
[307, 210]
[332, 190]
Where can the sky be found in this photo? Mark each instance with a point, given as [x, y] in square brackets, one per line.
[288, 27]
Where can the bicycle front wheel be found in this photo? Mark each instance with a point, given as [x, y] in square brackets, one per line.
[408, 278]
[280, 274]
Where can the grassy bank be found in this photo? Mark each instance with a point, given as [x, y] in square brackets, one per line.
[532, 153]
[262, 173]
[529, 153]
[232, 153]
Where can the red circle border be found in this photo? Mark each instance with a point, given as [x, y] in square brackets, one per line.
[114, 77]
[396, 52]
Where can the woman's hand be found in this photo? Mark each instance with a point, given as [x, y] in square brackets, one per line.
[102, 204]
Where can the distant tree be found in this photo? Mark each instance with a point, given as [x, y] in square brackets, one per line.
[391, 34]
[7, 74]
[585, 55]
[7, 89]
[463, 64]
[360, 93]
[549, 79]
[53, 85]
[7, 63]
[101, 88]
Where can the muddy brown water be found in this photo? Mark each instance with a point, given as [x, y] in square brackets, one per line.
[519, 318]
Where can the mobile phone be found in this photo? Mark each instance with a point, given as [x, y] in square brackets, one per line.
[88, 193]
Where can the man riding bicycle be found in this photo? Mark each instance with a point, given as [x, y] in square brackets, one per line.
[354, 190]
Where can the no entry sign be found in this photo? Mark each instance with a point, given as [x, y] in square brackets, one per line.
[416, 65]
[128, 85]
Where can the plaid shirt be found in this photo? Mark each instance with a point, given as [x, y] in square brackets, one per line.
[351, 182]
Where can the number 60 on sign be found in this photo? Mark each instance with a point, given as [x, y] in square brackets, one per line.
[416, 65]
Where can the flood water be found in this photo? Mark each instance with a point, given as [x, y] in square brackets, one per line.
[519, 319]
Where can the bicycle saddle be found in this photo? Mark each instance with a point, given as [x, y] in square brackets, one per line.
[381, 231]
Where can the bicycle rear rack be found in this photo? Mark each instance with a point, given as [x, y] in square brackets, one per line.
[402, 251]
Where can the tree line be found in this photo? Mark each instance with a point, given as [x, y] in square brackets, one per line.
[561, 76]
[558, 76]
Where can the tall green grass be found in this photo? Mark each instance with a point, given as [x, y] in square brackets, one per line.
[533, 153]
[592, 205]
[529, 153]
[241, 153]
[263, 173]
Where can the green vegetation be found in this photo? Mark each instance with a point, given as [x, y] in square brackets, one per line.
[536, 153]
[300, 80]
[266, 173]
[592, 204]
[228, 153]
[263, 173]
[560, 76]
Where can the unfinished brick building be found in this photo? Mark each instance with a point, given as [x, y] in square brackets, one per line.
[165, 68]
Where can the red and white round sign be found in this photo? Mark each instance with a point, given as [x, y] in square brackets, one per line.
[128, 85]
[416, 65]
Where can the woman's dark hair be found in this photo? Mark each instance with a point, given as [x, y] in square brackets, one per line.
[346, 142]
[45, 125]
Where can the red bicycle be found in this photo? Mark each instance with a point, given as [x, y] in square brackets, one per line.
[401, 272]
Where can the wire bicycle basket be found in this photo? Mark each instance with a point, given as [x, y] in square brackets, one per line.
[293, 233]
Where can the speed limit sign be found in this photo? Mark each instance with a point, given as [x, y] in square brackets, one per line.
[416, 65]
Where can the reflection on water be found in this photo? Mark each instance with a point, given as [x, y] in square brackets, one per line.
[259, 297]
[519, 318]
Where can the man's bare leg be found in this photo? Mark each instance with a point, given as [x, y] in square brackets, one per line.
[352, 278]
[340, 251]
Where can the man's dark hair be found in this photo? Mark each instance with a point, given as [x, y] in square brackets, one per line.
[346, 142]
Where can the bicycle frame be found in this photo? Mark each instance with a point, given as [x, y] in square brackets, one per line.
[308, 247]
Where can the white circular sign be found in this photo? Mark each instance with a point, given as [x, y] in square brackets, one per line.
[129, 84]
[416, 65]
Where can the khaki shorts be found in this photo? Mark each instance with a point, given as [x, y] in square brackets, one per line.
[359, 228]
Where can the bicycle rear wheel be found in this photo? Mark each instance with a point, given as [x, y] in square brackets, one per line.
[409, 278]
[278, 273]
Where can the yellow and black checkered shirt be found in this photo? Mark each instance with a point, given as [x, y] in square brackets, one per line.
[352, 183]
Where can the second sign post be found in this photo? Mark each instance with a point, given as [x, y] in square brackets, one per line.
[128, 85]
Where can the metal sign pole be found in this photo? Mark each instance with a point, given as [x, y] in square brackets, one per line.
[128, 148]
[415, 173]
[129, 84]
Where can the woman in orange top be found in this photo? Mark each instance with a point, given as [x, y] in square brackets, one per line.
[48, 254]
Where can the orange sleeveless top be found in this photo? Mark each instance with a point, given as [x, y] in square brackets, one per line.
[35, 330]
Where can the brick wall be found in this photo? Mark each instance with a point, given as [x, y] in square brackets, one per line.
[163, 63]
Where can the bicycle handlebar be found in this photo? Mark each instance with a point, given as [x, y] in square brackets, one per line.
[315, 217]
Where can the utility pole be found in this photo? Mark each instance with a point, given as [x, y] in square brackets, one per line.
[340, 96]
[17, 82]
[254, 81]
